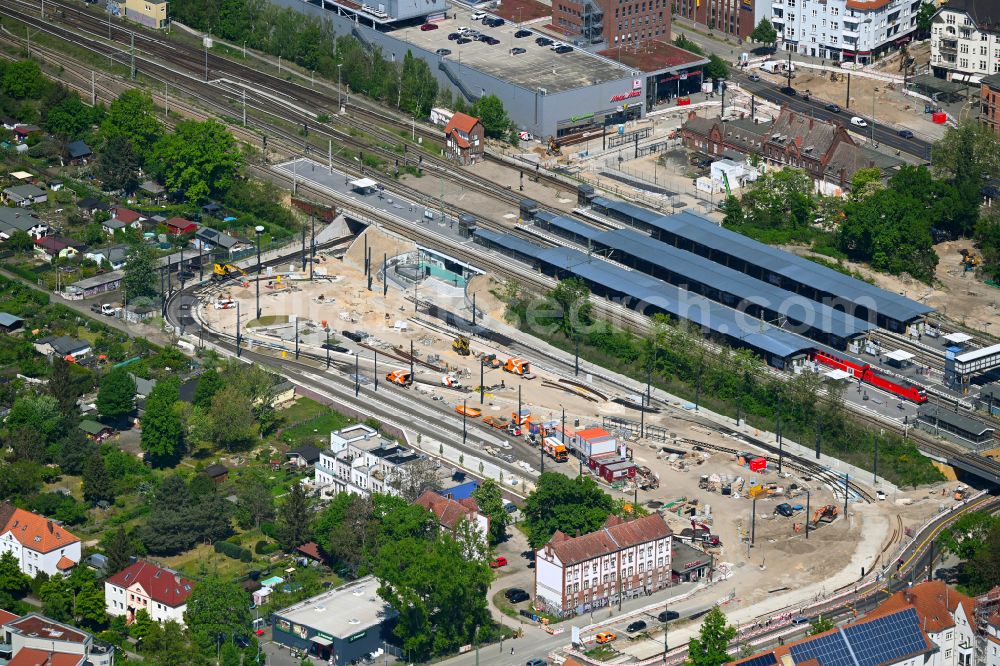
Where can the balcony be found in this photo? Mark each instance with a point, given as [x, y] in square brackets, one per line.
[777, 3]
[948, 46]
[849, 34]
[778, 20]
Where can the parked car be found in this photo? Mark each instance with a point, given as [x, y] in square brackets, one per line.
[522, 33]
[478, 15]
[498, 562]
[492, 41]
[517, 50]
[462, 40]
[753, 76]
[536, 662]
[668, 615]
[604, 637]
[565, 48]
[443, 52]
[784, 509]
[790, 91]
[336, 348]
[453, 36]
[543, 41]
[512, 592]
[493, 22]
[428, 26]
[516, 596]
[858, 121]
[800, 619]
[636, 627]
[833, 108]
[905, 133]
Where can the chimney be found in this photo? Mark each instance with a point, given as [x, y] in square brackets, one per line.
[50, 526]
[177, 579]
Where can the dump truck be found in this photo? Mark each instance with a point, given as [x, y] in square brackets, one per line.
[460, 345]
[400, 378]
[497, 422]
[471, 412]
[554, 449]
[518, 366]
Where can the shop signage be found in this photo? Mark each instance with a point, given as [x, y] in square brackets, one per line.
[625, 96]
[636, 84]
[326, 636]
[357, 637]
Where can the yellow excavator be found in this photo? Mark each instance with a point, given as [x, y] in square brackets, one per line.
[224, 271]
[969, 260]
[460, 345]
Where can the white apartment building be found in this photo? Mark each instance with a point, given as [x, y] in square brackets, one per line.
[38, 543]
[993, 641]
[360, 462]
[965, 40]
[144, 586]
[628, 558]
[35, 640]
[946, 616]
[860, 30]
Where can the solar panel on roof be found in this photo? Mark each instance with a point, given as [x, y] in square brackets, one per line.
[886, 639]
[763, 660]
[829, 650]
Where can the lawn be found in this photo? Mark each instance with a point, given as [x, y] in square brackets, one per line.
[301, 410]
[316, 430]
[602, 652]
[268, 320]
[203, 560]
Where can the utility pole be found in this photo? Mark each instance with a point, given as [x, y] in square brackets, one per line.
[375, 371]
[296, 337]
[808, 498]
[93, 88]
[132, 49]
[847, 491]
[166, 99]
[239, 348]
[357, 376]
[244, 107]
[329, 156]
[206, 57]
[464, 417]
[781, 448]
[482, 390]
[312, 249]
[753, 522]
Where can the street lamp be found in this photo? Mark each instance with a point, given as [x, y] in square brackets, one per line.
[260, 229]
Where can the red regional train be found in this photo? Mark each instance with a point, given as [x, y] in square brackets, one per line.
[867, 374]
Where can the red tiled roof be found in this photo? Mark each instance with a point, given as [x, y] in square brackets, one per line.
[310, 550]
[6, 617]
[51, 243]
[934, 602]
[462, 122]
[65, 564]
[462, 143]
[33, 657]
[179, 223]
[617, 534]
[448, 511]
[36, 532]
[160, 585]
[127, 216]
[995, 619]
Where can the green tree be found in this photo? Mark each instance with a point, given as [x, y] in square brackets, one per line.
[293, 518]
[139, 280]
[711, 647]
[20, 241]
[65, 387]
[764, 33]
[209, 383]
[23, 79]
[162, 434]
[571, 298]
[217, 607]
[437, 613]
[254, 502]
[924, 16]
[89, 605]
[96, 482]
[418, 87]
[57, 599]
[132, 116]
[13, 581]
[118, 164]
[346, 527]
[489, 497]
[37, 411]
[232, 419]
[864, 182]
[119, 551]
[717, 68]
[71, 118]
[968, 535]
[820, 625]
[988, 238]
[568, 505]
[681, 41]
[489, 109]
[229, 655]
[142, 625]
[984, 567]
[199, 158]
[780, 199]
[116, 395]
[183, 515]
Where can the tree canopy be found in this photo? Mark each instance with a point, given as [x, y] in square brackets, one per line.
[199, 158]
[561, 503]
[116, 396]
[139, 280]
[218, 607]
[132, 116]
[489, 498]
[489, 109]
[711, 647]
[180, 517]
[764, 33]
[162, 433]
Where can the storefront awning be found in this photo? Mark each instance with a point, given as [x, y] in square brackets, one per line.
[319, 640]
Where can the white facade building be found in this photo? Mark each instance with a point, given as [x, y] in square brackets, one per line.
[35, 639]
[844, 29]
[360, 462]
[630, 558]
[37, 543]
[993, 641]
[965, 41]
[144, 586]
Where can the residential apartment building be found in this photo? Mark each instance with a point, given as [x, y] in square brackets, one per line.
[150, 13]
[37, 543]
[946, 616]
[855, 30]
[612, 23]
[627, 558]
[360, 462]
[992, 652]
[989, 95]
[450, 512]
[965, 40]
[35, 640]
[144, 586]
[736, 18]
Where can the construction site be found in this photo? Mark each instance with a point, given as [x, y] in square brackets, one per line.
[771, 526]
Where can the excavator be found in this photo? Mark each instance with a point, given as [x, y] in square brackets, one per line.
[224, 271]
[554, 148]
[400, 378]
[460, 345]
[491, 361]
[969, 260]
[826, 514]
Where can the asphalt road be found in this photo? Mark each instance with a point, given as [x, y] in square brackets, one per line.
[884, 135]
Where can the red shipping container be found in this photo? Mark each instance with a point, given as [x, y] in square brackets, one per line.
[940, 118]
[758, 465]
